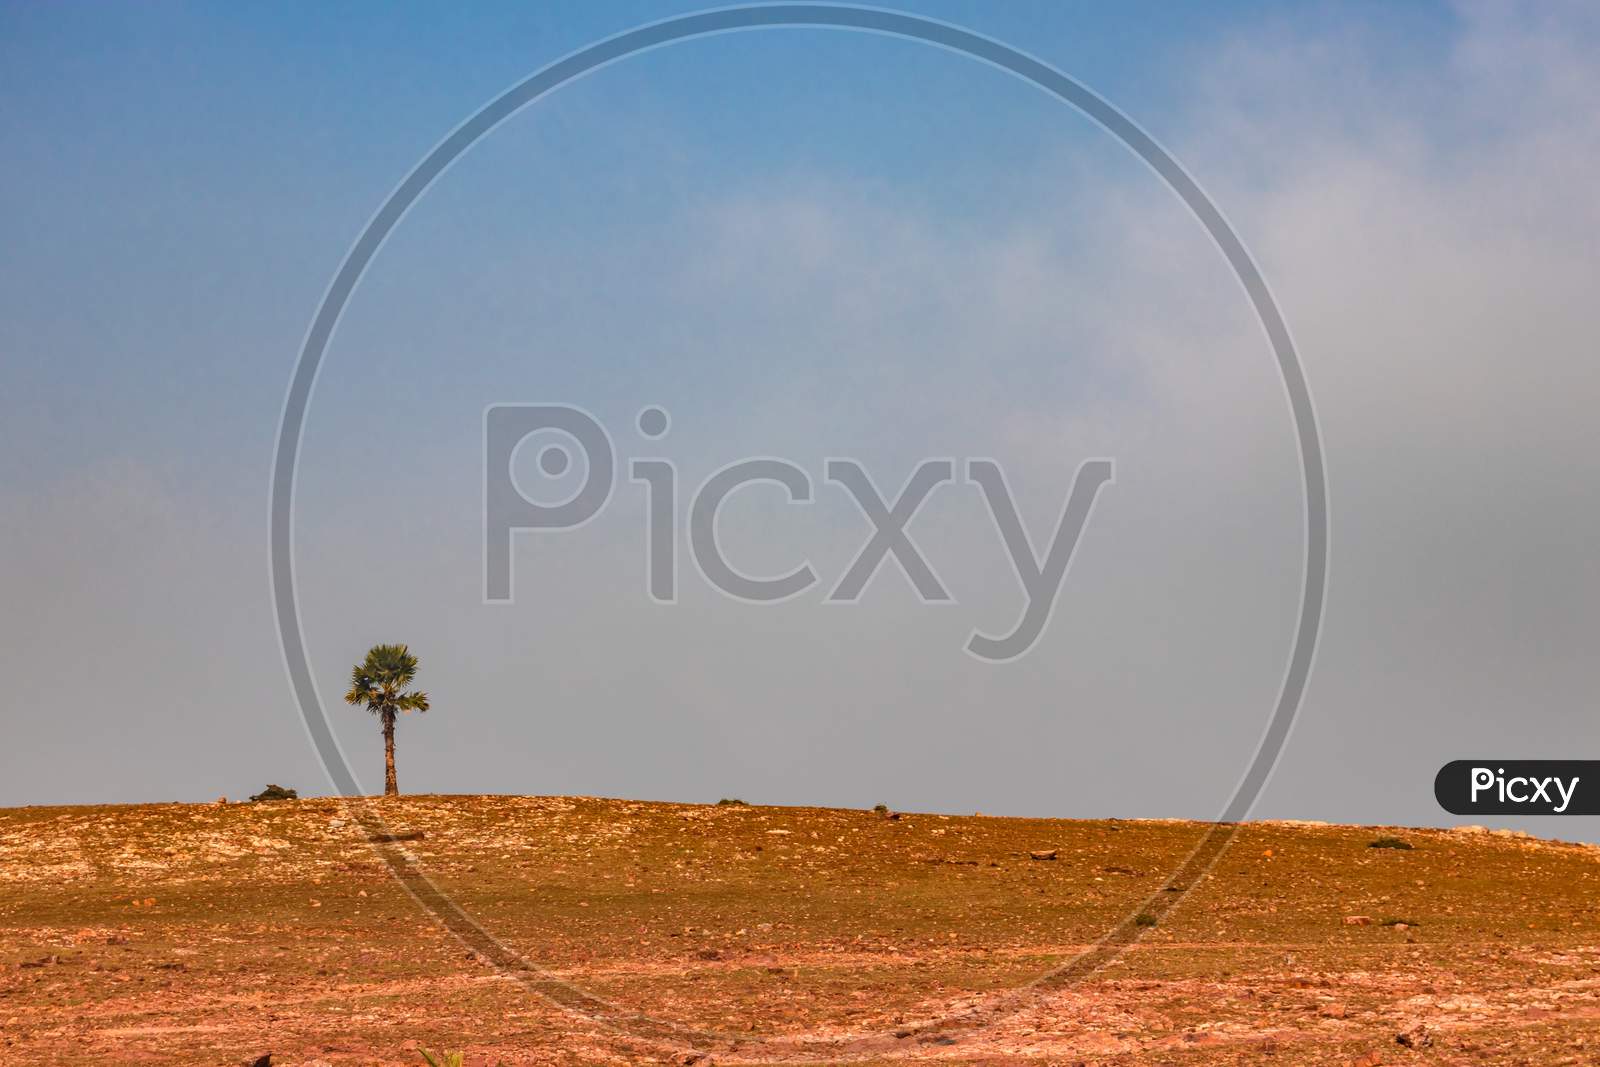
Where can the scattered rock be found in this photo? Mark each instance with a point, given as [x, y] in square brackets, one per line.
[1333, 1011]
[1417, 1035]
[1044, 854]
[1358, 920]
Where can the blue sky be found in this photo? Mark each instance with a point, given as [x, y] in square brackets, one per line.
[186, 178]
[802, 243]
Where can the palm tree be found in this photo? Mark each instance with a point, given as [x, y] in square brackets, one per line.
[379, 682]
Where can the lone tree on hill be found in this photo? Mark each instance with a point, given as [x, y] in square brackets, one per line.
[379, 682]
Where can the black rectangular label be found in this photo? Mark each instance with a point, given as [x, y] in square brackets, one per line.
[1519, 787]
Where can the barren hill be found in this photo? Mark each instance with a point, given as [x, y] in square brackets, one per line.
[603, 931]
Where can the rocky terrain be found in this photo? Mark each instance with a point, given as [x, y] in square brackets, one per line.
[557, 930]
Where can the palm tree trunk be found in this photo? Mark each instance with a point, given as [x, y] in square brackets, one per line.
[390, 789]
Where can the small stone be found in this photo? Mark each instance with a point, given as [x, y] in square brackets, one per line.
[1044, 854]
[1415, 1036]
[1358, 920]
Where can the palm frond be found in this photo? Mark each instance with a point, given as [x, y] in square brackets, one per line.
[412, 702]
